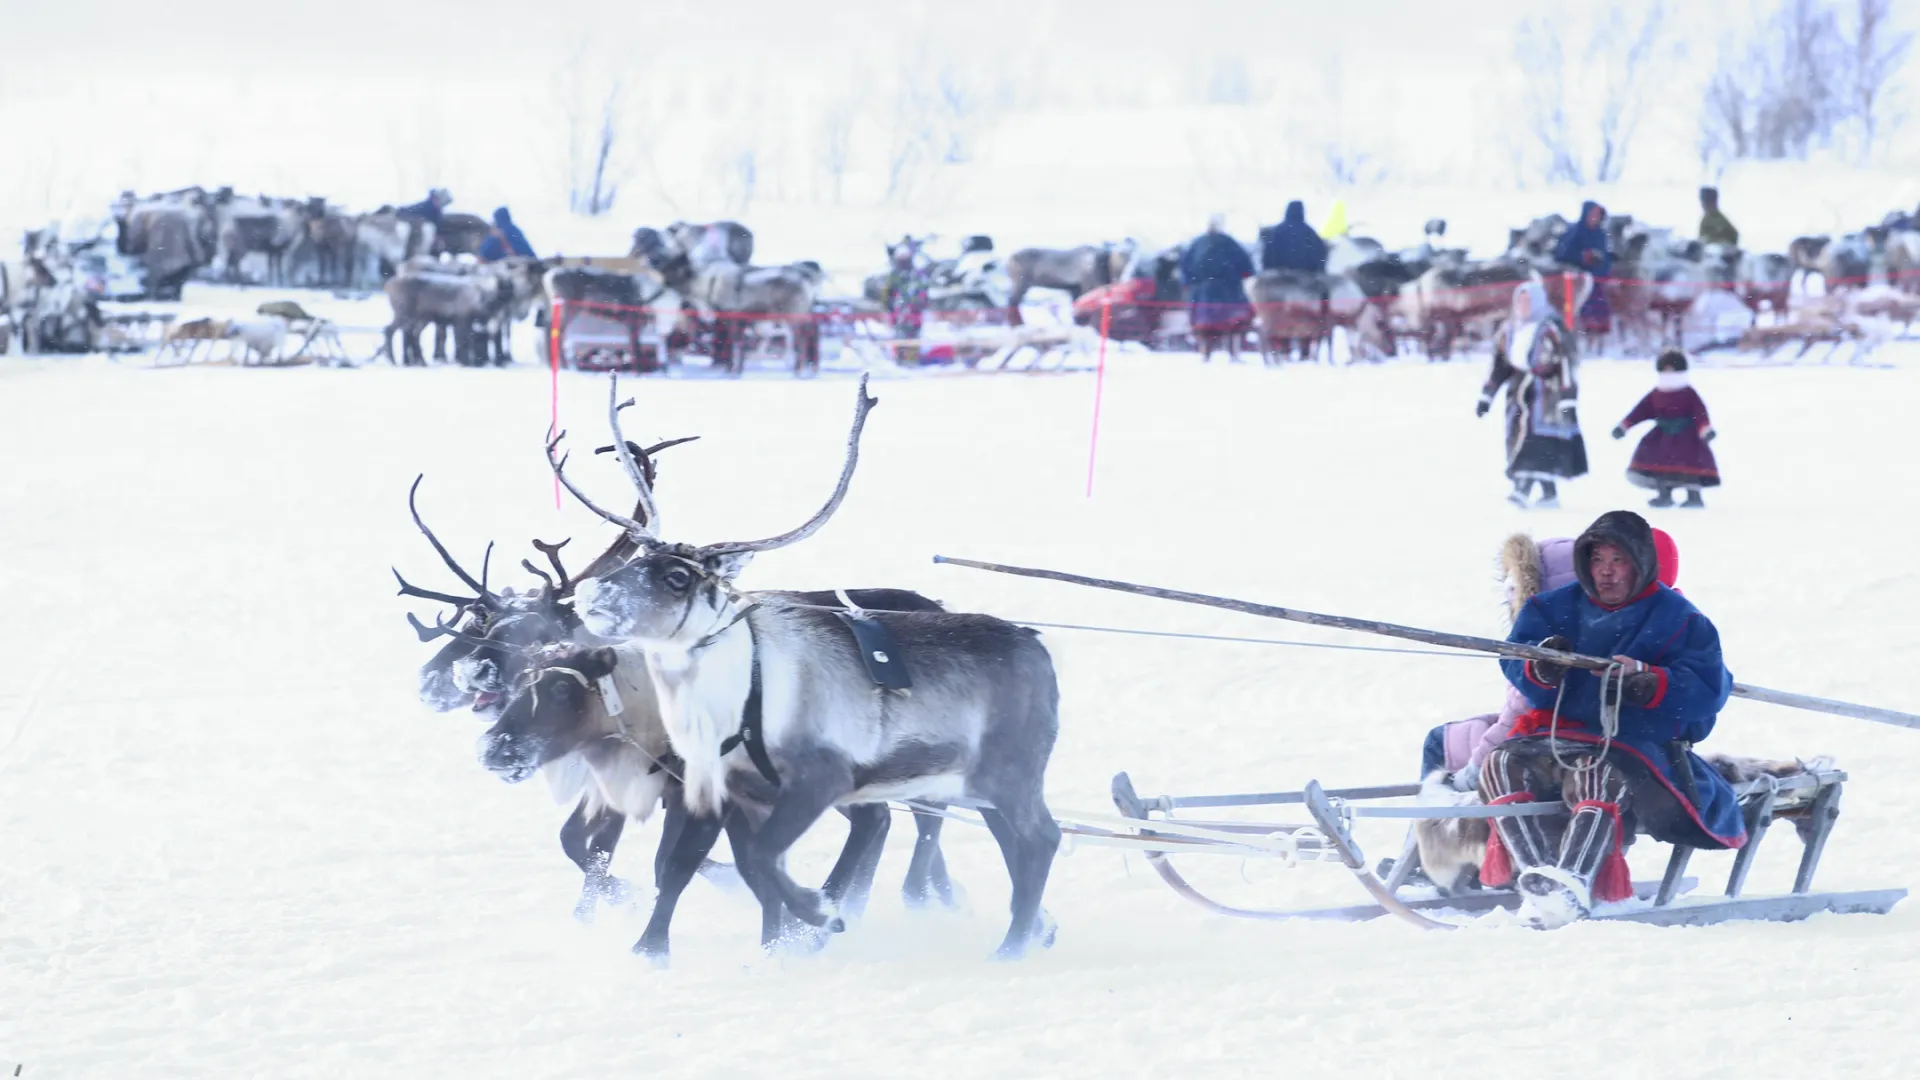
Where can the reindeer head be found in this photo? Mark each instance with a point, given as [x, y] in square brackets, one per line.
[493, 635]
[551, 717]
[679, 592]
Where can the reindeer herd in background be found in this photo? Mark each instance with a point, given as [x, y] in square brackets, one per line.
[693, 288]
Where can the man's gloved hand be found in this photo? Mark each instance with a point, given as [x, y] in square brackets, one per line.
[1708, 437]
[1546, 672]
[1636, 687]
[1481, 408]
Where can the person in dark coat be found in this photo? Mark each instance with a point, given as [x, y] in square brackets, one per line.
[1675, 453]
[1292, 244]
[1534, 361]
[1584, 248]
[1615, 745]
[1213, 266]
[905, 295]
[428, 209]
[1714, 226]
[505, 239]
[423, 220]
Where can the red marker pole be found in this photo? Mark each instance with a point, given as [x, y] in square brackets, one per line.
[553, 392]
[1099, 386]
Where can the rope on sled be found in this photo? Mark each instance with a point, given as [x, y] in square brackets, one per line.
[1614, 674]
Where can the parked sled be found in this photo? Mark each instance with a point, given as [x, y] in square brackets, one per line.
[1810, 799]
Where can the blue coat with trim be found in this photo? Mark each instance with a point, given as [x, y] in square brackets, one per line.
[1663, 629]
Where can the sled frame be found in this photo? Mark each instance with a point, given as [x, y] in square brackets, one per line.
[1810, 799]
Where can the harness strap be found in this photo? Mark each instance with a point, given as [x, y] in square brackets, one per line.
[751, 734]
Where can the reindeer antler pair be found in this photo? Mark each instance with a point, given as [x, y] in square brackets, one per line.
[483, 597]
[642, 530]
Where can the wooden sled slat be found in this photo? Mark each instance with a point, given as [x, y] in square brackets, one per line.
[1790, 908]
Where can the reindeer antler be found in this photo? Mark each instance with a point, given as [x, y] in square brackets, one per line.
[407, 589]
[484, 598]
[440, 629]
[862, 406]
[645, 454]
[634, 528]
[553, 556]
[642, 481]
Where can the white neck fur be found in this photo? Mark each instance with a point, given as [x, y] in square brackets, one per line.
[1671, 380]
[703, 693]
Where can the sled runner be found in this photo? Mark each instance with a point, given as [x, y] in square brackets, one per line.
[1811, 800]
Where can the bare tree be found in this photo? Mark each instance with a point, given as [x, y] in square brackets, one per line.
[833, 152]
[1348, 153]
[591, 187]
[1611, 62]
[1809, 76]
[1877, 53]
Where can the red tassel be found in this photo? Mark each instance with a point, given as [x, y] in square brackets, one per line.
[1614, 880]
[1496, 868]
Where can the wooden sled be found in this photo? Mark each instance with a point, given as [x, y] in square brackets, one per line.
[1810, 799]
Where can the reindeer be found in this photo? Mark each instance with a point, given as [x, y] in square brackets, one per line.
[1291, 309]
[1076, 270]
[790, 684]
[501, 650]
[736, 296]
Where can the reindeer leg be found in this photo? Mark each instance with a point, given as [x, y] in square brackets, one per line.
[589, 840]
[927, 873]
[851, 880]
[1028, 838]
[678, 865]
[810, 783]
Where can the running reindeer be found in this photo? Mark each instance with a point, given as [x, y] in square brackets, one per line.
[505, 654]
[795, 687]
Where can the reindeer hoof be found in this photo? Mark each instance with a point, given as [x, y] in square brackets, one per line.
[584, 911]
[616, 891]
[836, 925]
[655, 954]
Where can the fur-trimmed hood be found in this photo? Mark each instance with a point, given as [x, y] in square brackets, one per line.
[1530, 568]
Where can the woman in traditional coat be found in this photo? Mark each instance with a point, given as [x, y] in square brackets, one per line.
[1675, 453]
[1616, 746]
[1534, 361]
[1213, 267]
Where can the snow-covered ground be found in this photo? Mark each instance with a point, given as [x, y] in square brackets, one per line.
[232, 844]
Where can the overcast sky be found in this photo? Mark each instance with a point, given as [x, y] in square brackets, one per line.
[370, 101]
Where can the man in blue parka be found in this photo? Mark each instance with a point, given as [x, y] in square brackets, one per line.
[1585, 247]
[505, 239]
[1615, 745]
[1292, 244]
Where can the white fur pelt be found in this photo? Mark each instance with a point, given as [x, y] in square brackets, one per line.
[701, 696]
[1450, 848]
[1522, 570]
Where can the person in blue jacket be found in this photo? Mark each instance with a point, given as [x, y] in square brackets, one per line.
[1585, 247]
[1616, 746]
[505, 239]
[1213, 267]
[427, 210]
[1292, 244]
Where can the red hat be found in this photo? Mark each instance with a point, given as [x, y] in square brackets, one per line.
[1668, 554]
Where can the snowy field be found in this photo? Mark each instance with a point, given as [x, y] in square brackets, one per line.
[232, 844]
